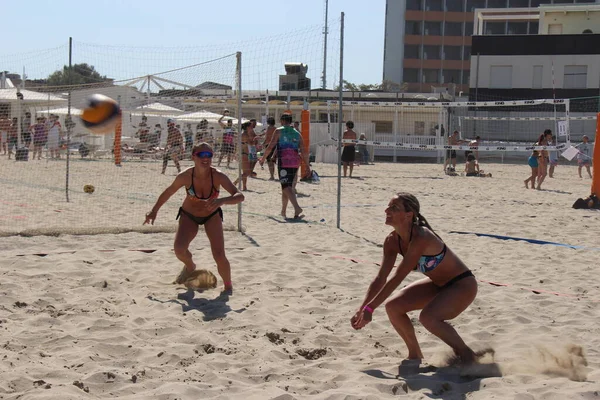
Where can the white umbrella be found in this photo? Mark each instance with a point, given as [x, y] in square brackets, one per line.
[211, 117]
[159, 108]
[59, 111]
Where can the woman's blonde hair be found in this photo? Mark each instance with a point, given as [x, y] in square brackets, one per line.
[201, 145]
[411, 204]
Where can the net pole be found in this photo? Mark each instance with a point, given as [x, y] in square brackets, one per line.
[341, 109]
[567, 123]
[238, 77]
[395, 129]
[69, 117]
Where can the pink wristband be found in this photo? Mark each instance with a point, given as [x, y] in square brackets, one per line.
[367, 308]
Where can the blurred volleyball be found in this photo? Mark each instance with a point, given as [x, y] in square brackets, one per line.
[100, 114]
[89, 189]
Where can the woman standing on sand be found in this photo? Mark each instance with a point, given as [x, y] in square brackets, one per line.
[201, 206]
[448, 289]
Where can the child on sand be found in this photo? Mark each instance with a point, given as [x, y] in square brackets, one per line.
[472, 167]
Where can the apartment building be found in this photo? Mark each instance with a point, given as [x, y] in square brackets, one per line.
[428, 42]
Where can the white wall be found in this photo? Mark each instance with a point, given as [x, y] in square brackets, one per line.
[393, 52]
[523, 68]
[572, 22]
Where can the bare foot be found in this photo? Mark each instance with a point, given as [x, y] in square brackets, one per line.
[526, 181]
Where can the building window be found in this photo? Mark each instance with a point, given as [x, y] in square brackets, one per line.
[410, 75]
[384, 126]
[517, 28]
[434, 5]
[452, 53]
[467, 53]
[456, 6]
[433, 28]
[575, 77]
[496, 4]
[413, 28]
[431, 52]
[537, 3]
[495, 28]
[468, 29]
[518, 3]
[555, 29]
[451, 76]
[473, 4]
[419, 127]
[501, 77]
[414, 5]
[534, 27]
[411, 51]
[452, 28]
[431, 76]
[538, 73]
[466, 75]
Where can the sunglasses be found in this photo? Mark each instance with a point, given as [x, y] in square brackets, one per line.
[204, 154]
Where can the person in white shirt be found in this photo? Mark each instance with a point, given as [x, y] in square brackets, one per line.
[584, 157]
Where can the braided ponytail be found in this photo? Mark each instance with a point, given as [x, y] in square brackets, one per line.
[411, 203]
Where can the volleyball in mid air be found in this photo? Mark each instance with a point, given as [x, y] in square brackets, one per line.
[100, 114]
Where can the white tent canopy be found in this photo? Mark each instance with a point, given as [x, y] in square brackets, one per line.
[59, 111]
[158, 108]
[211, 117]
[29, 97]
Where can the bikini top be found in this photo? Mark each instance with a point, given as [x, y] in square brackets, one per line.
[214, 193]
[425, 263]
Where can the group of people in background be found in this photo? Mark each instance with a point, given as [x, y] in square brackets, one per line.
[544, 162]
[45, 132]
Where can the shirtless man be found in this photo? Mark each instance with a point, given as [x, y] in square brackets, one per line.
[349, 149]
[453, 140]
[174, 146]
[271, 158]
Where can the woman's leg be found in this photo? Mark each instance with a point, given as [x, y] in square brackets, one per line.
[447, 305]
[542, 172]
[186, 232]
[413, 297]
[214, 232]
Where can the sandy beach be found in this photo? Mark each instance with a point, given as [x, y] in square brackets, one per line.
[95, 316]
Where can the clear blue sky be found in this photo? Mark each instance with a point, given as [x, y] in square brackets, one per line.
[136, 37]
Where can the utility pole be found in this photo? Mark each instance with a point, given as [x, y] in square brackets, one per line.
[325, 32]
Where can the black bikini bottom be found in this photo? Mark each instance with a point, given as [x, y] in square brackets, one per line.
[457, 278]
[199, 220]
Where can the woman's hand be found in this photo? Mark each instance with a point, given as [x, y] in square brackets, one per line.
[150, 217]
[213, 204]
[361, 319]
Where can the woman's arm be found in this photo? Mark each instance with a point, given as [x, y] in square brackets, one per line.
[414, 252]
[235, 198]
[164, 196]
[390, 254]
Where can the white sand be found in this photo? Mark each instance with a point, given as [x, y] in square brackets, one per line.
[110, 322]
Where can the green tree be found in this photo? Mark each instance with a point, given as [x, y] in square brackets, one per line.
[79, 74]
[385, 86]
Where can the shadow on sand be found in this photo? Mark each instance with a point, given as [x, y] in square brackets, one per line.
[212, 309]
[440, 383]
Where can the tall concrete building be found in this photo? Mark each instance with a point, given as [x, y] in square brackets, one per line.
[428, 42]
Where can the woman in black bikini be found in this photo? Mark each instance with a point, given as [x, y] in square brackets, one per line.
[447, 290]
[200, 207]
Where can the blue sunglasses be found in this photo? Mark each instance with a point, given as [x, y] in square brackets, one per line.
[204, 154]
